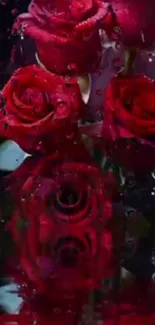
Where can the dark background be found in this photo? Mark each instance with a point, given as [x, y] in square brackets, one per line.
[9, 10]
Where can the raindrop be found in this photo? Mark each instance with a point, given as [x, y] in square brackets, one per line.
[62, 109]
[57, 310]
[14, 11]
[68, 83]
[24, 285]
[23, 198]
[142, 37]
[3, 2]
[70, 312]
[35, 322]
[70, 136]
[150, 57]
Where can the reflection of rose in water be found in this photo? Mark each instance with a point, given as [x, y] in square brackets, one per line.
[63, 241]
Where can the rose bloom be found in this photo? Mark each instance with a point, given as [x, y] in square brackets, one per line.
[129, 125]
[64, 224]
[39, 108]
[136, 20]
[66, 33]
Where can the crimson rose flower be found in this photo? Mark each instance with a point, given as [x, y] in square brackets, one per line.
[39, 107]
[65, 217]
[136, 19]
[129, 125]
[66, 33]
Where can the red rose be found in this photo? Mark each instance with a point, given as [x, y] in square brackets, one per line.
[64, 214]
[129, 125]
[66, 33]
[136, 19]
[39, 107]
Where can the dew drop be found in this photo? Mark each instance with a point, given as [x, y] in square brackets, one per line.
[24, 285]
[68, 83]
[14, 11]
[62, 110]
[69, 312]
[150, 57]
[70, 136]
[35, 322]
[57, 311]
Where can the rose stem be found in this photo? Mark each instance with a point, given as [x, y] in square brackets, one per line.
[130, 56]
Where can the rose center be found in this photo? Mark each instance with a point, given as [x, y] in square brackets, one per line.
[69, 257]
[32, 96]
[67, 195]
[68, 250]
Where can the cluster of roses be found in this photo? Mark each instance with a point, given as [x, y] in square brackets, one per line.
[67, 223]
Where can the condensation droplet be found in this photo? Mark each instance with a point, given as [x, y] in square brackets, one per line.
[62, 109]
[35, 322]
[70, 312]
[57, 310]
[70, 136]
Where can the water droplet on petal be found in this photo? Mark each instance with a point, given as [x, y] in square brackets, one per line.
[57, 311]
[70, 136]
[62, 110]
